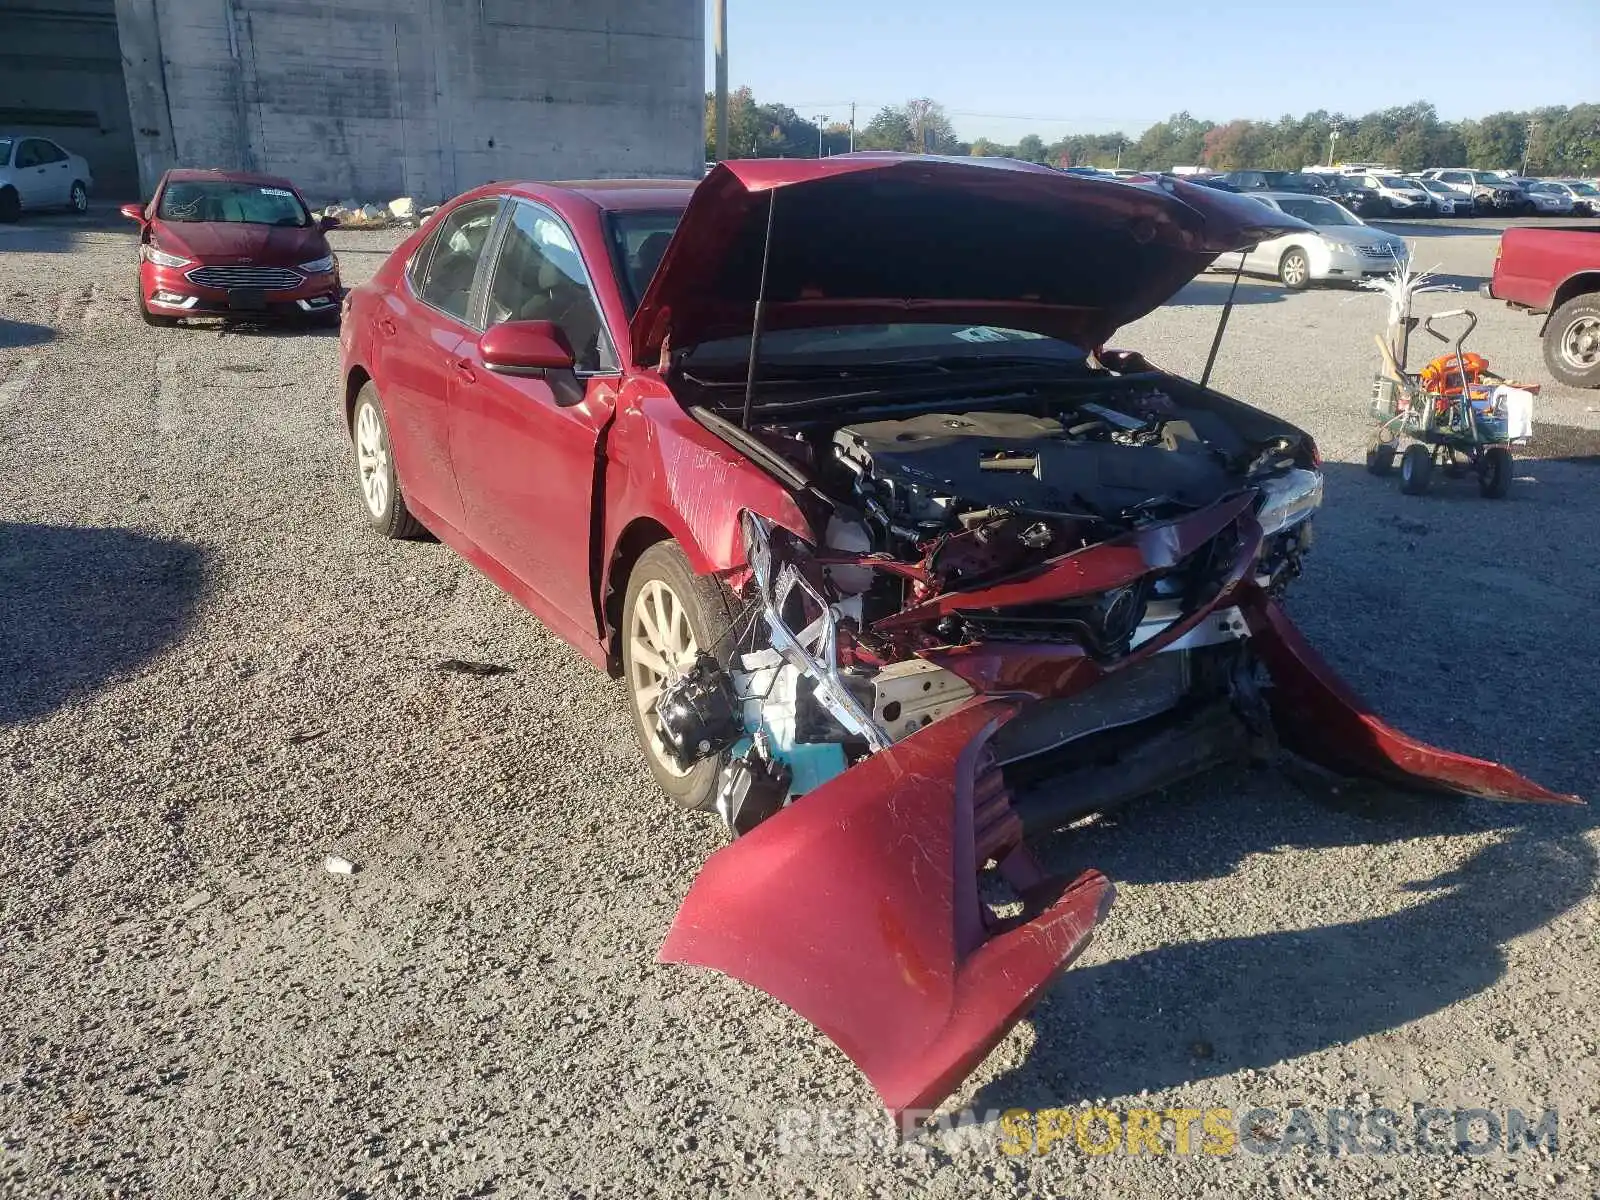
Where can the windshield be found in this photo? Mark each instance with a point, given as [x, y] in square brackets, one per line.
[1582, 189]
[638, 240]
[1315, 211]
[1394, 181]
[233, 203]
[1289, 181]
[889, 346]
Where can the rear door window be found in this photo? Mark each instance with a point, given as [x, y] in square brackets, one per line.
[449, 266]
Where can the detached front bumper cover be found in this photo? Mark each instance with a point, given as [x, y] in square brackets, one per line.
[858, 907]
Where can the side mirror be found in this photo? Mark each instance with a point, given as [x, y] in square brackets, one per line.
[134, 212]
[327, 223]
[525, 348]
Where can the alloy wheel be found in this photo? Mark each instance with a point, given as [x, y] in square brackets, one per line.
[1580, 343]
[372, 459]
[1295, 270]
[661, 646]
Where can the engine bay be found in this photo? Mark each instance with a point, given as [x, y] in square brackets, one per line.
[924, 504]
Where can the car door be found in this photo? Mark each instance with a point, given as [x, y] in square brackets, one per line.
[525, 448]
[420, 327]
[55, 174]
[28, 174]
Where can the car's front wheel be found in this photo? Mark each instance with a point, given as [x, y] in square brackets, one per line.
[1294, 269]
[1572, 342]
[380, 485]
[669, 616]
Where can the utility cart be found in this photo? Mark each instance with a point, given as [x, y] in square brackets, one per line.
[1453, 415]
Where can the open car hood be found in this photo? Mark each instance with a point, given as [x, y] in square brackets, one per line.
[875, 238]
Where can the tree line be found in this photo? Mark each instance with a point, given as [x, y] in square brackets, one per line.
[1550, 141]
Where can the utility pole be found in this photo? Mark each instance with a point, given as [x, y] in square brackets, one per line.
[1333, 138]
[721, 48]
[852, 127]
[1120, 144]
[822, 123]
[1527, 146]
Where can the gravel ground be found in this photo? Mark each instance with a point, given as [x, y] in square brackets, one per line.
[212, 676]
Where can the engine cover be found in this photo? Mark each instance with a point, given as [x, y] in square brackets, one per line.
[933, 462]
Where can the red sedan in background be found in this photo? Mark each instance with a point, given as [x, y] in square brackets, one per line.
[235, 245]
[828, 461]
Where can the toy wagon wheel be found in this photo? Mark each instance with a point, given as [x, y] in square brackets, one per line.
[1416, 469]
[1494, 473]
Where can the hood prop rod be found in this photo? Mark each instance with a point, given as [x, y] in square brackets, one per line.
[1222, 322]
[760, 314]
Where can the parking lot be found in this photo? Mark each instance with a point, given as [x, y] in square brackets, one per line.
[213, 676]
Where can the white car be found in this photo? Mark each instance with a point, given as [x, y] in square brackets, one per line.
[1403, 197]
[36, 173]
[1340, 245]
[1444, 199]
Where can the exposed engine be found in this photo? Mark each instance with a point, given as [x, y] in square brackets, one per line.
[931, 506]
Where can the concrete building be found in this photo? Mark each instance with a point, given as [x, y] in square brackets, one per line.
[61, 78]
[373, 99]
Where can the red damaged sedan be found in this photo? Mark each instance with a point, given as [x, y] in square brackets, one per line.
[235, 245]
[828, 462]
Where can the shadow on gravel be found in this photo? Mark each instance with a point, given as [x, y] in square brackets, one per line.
[1215, 1006]
[15, 334]
[79, 607]
[1473, 613]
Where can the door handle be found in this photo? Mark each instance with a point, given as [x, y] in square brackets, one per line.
[464, 369]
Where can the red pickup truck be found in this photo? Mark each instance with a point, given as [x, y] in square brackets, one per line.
[1556, 271]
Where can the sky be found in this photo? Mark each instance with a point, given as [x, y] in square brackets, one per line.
[1003, 68]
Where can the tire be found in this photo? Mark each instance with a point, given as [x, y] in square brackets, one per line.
[1572, 342]
[1294, 269]
[10, 205]
[699, 606]
[1380, 460]
[1494, 473]
[375, 473]
[154, 319]
[1416, 469]
[79, 197]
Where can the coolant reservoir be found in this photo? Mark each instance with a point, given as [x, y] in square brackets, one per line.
[847, 536]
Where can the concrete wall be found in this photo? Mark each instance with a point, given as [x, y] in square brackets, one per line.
[61, 78]
[373, 99]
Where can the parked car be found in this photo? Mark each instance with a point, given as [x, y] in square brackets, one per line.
[1348, 192]
[893, 567]
[36, 173]
[1446, 200]
[1555, 273]
[1585, 196]
[1272, 181]
[1550, 200]
[1396, 195]
[1337, 245]
[1487, 191]
[235, 245]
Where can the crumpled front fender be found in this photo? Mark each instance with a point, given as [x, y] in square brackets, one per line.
[1318, 716]
[858, 907]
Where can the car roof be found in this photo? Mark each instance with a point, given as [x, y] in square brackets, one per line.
[195, 174]
[613, 195]
[1288, 196]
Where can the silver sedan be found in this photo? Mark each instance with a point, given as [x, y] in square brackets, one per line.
[1339, 245]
